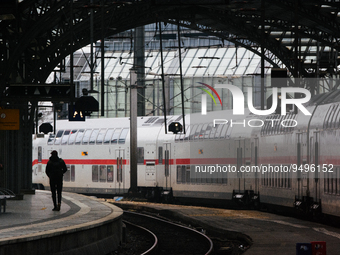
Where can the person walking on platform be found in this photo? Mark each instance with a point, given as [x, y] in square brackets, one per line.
[55, 170]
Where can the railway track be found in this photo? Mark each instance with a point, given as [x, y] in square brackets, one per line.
[169, 238]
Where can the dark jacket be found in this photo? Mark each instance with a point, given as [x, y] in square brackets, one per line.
[55, 167]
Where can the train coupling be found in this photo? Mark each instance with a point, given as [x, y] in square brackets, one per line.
[307, 206]
[246, 198]
[301, 204]
[316, 209]
[167, 195]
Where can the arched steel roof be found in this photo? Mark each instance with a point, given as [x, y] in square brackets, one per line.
[301, 35]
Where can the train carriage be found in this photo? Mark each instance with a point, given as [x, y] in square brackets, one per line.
[292, 160]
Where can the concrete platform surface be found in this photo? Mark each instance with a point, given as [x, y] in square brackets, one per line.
[84, 225]
[269, 233]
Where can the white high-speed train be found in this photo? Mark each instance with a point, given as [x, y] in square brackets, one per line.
[288, 161]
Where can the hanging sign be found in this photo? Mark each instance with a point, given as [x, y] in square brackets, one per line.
[9, 119]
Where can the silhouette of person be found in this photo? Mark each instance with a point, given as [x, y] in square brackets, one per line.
[55, 170]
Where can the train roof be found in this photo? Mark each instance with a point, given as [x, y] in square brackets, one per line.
[325, 98]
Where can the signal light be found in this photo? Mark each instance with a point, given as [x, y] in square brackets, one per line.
[175, 127]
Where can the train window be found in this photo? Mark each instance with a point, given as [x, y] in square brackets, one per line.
[179, 174]
[39, 154]
[198, 131]
[224, 177]
[187, 133]
[278, 126]
[123, 135]
[338, 119]
[119, 170]
[187, 174]
[50, 140]
[109, 173]
[202, 132]
[182, 135]
[102, 173]
[65, 137]
[160, 155]
[72, 137]
[73, 173]
[192, 132]
[203, 177]
[79, 136]
[213, 131]
[115, 136]
[108, 135]
[94, 173]
[334, 183]
[183, 173]
[197, 174]
[207, 131]
[218, 130]
[283, 129]
[325, 124]
[86, 137]
[93, 136]
[328, 182]
[140, 155]
[209, 178]
[276, 180]
[101, 136]
[334, 115]
[67, 175]
[267, 126]
[337, 180]
[224, 131]
[58, 137]
[193, 174]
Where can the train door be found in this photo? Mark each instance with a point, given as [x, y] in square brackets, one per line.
[150, 170]
[314, 150]
[254, 156]
[240, 180]
[302, 198]
[243, 189]
[248, 175]
[120, 157]
[167, 165]
[38, 167]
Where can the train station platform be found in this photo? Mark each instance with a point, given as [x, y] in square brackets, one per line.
[261, 232]
[84, 225]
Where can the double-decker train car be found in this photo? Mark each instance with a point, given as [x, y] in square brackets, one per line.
[287, 161]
